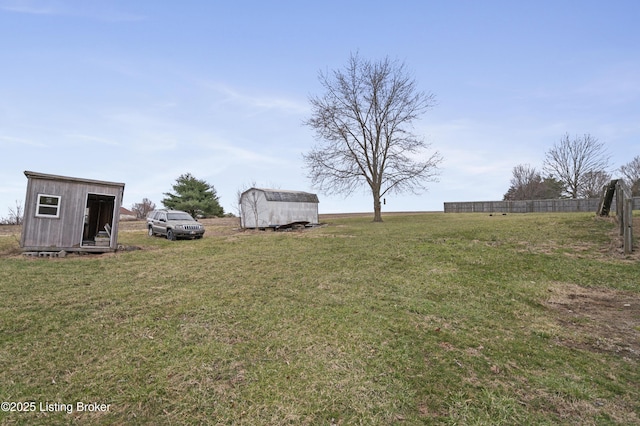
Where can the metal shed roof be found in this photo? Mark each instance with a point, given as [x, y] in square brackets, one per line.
[288, 196]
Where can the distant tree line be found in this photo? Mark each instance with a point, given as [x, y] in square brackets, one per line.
[573, 168]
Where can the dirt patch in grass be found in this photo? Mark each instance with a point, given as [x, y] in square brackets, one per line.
[597, 319]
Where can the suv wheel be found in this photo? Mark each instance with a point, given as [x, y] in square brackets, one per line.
[150, 231]
[170, 235]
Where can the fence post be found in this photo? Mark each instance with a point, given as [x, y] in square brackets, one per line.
[604, 206]
[628, 229]
[620, 206]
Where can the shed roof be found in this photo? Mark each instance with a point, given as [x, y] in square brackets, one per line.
[287, 196]
[127, 212]
[36, 175]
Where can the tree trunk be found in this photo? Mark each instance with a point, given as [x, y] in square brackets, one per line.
[377, 213]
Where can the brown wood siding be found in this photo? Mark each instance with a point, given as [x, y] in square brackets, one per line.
[64, 232]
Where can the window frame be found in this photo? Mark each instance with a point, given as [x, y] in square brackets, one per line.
[39, 204]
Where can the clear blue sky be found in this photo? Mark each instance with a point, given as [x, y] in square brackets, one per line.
[143, 91]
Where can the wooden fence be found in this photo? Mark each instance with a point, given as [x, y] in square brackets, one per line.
[624, 206]
[530, 206]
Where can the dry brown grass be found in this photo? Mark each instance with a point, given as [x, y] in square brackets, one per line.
[597, 319]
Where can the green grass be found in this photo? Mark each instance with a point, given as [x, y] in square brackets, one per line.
[422, 319]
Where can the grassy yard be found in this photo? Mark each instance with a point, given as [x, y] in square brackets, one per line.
[449, 319]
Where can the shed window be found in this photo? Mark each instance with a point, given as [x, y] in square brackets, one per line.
[48, 206]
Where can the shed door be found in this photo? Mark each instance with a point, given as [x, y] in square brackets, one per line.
[98, 220]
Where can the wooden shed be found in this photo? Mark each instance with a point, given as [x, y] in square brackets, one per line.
[70, 214]
[275, 208]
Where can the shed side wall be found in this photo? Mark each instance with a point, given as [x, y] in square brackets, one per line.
[274, 213]
[284, 213]
[254, 209]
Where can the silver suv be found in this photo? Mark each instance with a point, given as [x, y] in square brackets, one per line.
[174, 224]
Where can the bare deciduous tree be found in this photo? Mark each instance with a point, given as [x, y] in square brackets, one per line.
[525, 183]
[528, 184]
[592, 182]
[142, 209]
[363, 124]
[631, 174]
[16, 215]
[571, 160]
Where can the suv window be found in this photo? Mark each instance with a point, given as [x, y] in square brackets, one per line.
[179, 216]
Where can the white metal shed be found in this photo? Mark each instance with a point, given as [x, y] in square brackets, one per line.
[273, 208]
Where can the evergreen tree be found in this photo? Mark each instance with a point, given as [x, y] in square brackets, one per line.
[553, 188]
[194, 196]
